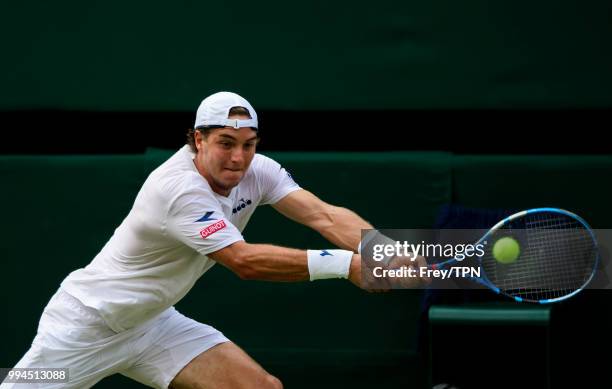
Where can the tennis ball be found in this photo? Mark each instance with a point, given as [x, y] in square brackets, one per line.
[506, 250]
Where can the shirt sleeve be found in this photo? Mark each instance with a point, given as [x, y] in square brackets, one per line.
[196, 219]
[274, 181]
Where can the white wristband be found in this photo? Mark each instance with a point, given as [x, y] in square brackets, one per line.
[324, 264]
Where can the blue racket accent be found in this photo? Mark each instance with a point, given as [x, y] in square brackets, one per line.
[559, 256]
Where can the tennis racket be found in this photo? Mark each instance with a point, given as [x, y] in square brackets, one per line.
[559, 256]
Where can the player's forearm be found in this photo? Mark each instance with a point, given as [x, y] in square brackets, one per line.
[272, 263]
[342, 227]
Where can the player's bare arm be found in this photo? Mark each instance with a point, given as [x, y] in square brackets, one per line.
[339, 225]
[267, 262]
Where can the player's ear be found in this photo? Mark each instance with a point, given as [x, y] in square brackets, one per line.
[198, 137]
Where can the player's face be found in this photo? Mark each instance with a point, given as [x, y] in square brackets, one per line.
[225, 155]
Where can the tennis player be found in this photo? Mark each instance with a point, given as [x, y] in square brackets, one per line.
[116, 315]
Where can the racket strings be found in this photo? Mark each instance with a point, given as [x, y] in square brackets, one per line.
[558, 257]
[553, 271]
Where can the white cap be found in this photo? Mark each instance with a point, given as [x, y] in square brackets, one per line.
[214, 111]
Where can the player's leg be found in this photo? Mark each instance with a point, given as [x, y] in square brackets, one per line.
[224, 366]
[179, 352]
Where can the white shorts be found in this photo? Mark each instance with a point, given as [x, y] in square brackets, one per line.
[71, 335]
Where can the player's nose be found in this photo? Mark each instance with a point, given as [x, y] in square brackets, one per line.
[237, 157]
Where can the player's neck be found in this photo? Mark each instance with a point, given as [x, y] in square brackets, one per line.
[217, 189]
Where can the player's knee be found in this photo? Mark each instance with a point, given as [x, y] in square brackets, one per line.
[273, 382]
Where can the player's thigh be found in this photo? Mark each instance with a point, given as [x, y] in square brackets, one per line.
[225, 366]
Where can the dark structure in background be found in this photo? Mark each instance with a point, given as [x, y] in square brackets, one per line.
[475, 77]
[459, 131]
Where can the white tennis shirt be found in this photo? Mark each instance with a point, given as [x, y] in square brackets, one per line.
[159, 251]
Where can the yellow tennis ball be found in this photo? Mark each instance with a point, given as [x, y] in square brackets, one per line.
[506, 250]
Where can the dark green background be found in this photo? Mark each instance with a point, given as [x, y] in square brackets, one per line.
[316, 55]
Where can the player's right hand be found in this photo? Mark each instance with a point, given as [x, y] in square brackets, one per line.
[362, 274]
[363, 279]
